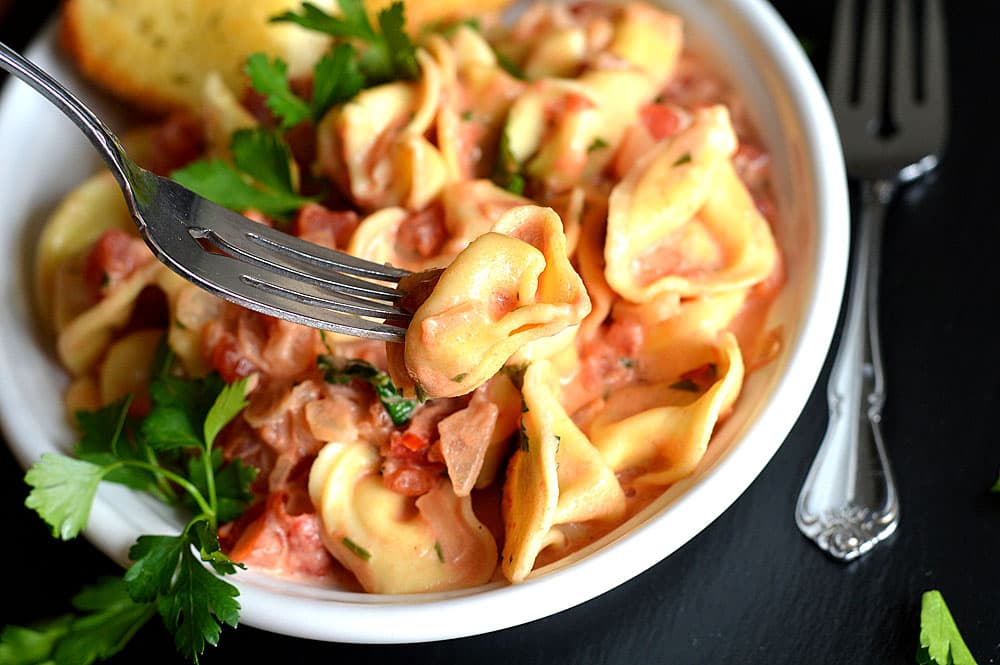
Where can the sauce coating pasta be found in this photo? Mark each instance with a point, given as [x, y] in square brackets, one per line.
[589, 216]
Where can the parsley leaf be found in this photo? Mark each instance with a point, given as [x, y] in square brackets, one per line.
[402, 54]
[263, 156]
[21, 645]
[259, 180]
[180, 409]
[110, 620]
[388, 54]
[104, 439]
[940, 641]
[198, 604]
[230, 401]
[343, 370]
[271, 79]
[352, 22]
[232, 483]
[63, 490]
[336, 79]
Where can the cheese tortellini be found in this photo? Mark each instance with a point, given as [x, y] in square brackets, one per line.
[391, 543]
[509, 288]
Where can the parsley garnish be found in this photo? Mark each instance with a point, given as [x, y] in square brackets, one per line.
[387, 54]
[336, 79]
[940, 641]
[260, 177]
[271, 79]
[356, 549]
[440, 553]
[343, 370]
[683, 159]
[506, 172]
[686, 384]
[168, 451]
[509, 65]
[597, 144]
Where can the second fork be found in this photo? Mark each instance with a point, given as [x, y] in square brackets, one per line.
[848, 502]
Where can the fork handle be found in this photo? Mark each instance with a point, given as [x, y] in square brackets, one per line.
[849, 502]
[96, 131]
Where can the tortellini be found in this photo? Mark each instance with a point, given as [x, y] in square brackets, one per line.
[508, 288]
[374, 146]
[562, 130]
[555, 477]
[661, 431]
[390, 542]
[682, 222]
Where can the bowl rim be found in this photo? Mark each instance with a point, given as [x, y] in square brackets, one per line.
[363, 618]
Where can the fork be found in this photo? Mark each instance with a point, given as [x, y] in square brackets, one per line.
[848, 503]
[228, 255]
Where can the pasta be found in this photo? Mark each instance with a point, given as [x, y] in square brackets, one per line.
[587, 214]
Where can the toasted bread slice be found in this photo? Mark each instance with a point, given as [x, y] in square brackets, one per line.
[156, 53]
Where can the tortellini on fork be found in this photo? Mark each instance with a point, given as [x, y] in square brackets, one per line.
[509, 288]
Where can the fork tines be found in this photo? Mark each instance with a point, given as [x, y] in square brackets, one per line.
[889, 84]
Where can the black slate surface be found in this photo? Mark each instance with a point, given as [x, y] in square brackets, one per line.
[750, 588]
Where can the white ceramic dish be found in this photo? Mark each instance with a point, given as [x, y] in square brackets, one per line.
[45, 156]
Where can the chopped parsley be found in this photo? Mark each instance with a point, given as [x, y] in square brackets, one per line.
[344, 370]
[356, 549]
[437, 549]
[686, 384]
[506, 171]
[683, 159]
[523, 443]
[597, 144]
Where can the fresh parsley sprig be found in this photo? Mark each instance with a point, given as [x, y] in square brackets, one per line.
[344, 370]
[387, 54]
[260, 177]
[169, 454]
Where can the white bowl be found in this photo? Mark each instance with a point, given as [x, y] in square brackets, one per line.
[47, 156]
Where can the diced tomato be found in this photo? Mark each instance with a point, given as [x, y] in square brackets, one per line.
[423, 233]
[114, 256]
[329, 228]
[661, 120]
[574, 103]
[413, 442]
[269, 538]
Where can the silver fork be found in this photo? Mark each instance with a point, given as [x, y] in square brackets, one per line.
[227, 254]
[848, 503]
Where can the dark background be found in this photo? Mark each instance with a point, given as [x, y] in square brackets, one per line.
[750, 588]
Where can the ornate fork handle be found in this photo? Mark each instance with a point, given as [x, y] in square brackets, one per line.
[849, 502]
